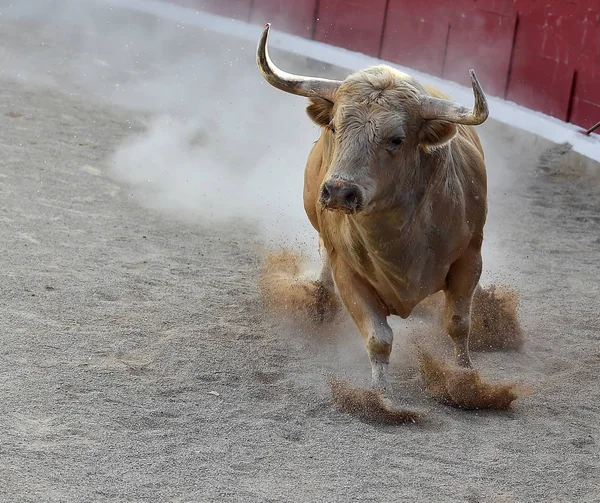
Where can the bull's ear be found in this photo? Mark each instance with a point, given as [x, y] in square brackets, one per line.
[436, 133]
[320, 111]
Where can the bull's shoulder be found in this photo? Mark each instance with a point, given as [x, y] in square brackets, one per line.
[319, 157]
[470, 173]
[466, 153]
[468, 135]
[314, 172]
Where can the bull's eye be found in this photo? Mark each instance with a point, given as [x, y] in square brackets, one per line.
[394, 142]
[332, 127]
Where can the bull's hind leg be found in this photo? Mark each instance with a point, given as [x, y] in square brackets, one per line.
[462, 281]
[370, 316]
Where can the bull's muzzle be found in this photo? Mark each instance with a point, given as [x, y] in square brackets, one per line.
[341, 195]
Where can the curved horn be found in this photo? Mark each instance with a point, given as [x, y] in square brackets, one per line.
[294, 84]
[446, 110]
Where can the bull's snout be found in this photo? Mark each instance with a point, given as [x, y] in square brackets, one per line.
[341, 195]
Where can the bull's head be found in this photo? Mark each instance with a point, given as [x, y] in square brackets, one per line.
[381, 122]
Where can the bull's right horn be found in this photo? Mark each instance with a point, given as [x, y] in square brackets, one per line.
[309, 87]
[446, 110]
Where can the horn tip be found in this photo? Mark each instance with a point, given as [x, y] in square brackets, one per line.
[475, 80]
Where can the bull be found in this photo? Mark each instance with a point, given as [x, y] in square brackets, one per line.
[396, 188]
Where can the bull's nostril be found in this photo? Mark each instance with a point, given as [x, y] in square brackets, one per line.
[325, 194]
[351, 199]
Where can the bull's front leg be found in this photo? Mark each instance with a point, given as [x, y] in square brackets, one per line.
[461, 283]
[370, 316]
[326, 275]
[326, 303]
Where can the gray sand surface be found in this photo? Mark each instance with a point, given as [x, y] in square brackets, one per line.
[128, 292]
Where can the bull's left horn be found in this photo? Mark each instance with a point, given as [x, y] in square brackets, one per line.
[446, 110]
[309, 87]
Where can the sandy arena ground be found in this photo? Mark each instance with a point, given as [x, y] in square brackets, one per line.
[136, 362]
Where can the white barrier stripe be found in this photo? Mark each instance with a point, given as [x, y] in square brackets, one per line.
[501, 110]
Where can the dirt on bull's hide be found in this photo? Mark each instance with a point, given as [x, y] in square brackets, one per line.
[465, 388]
[494, 318]
[284, 289]
[368, 405]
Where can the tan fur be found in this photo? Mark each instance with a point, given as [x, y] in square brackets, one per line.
[448, 203]
[419, 229]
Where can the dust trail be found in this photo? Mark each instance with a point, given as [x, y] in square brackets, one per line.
[495, 322]
[217, 143]
[211, 142]
[368, 405]
[287, 286]
[465, 388]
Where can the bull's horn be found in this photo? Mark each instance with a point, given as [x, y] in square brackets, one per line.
[294, 84]
[435, 108]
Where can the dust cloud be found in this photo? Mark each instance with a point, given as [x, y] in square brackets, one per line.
[368, 405]
[495, 324]
[465, 388]
[216, 143]
[288, 287]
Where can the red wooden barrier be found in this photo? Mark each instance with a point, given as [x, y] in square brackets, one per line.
[297, 18]
[585, 109]
[543, 54]
[543, 64]
[481, 40]
[353, 24]
[416, 34]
